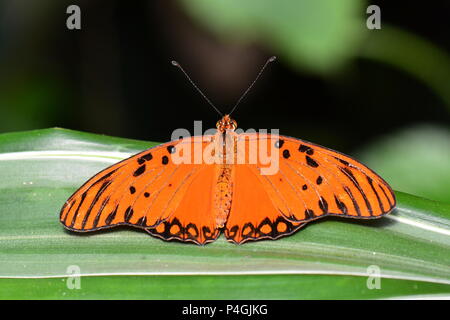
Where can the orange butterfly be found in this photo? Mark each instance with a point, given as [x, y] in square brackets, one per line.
[193, 188]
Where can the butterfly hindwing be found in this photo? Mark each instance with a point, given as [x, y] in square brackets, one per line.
[253, 216]
[192, 220]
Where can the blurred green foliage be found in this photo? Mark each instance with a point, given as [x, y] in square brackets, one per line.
[31, 101]
[316, 35]
[323, 35]
[414, 55]
[414, 160]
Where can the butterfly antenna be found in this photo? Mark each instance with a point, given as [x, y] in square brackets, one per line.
[176, 64]
[271, 59]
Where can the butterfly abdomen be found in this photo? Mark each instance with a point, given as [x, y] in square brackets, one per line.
[223, 194]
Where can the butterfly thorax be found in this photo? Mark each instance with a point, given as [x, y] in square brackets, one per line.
[226, 123]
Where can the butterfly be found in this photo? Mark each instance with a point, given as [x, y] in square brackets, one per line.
[194, 188]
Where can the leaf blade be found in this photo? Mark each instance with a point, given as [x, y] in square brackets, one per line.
[410, 245]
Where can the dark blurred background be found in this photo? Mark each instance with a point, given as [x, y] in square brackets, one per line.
[382, 95]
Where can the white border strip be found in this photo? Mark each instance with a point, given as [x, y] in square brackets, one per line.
[102, 156]
[431, 296]
[238, 273]
[421, 225]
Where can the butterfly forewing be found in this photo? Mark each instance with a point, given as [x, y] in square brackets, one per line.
[142, 190]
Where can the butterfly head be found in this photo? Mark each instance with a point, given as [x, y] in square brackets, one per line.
[226, 123]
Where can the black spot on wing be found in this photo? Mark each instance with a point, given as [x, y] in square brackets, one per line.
[74, 218]
[171, 149]
[306, 149]
[176, 222]
[286, 154]
[146, 157]
[309, 214]
[128, 214]
[192, 231]
[272, 229]
[265, 222]
[323, 205]
[279, 144]
[355, 204]
[232, 232]
[319, 180]
[139, 171]
[369, 179]
[70, 206]
[342, 161]
[166, 233]
[97, 196]
[385, 194]
[99, 213]
[106, 176]
[355, 182]
[311, 162]
[207, 233]
[142, 221]
[248, 230]
[111, 216]
[341, 205]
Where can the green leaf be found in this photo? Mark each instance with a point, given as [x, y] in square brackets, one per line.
[327, 259]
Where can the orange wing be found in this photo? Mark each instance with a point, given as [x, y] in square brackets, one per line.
[311, 182]
[192, 220]
[142, 191]
[253, 216]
